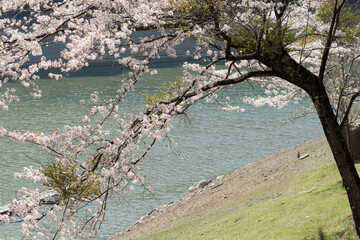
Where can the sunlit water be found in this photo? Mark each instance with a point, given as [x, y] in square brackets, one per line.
[216, 142]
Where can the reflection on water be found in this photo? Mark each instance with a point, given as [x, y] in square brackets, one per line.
[216, 142]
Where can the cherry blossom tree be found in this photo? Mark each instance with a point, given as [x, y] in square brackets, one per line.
[293, 49]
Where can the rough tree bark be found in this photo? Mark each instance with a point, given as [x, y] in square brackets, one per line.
[339, 149]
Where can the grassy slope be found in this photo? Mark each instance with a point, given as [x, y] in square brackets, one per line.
[293, 209]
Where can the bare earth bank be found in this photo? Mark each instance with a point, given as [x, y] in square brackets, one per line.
[252, 177]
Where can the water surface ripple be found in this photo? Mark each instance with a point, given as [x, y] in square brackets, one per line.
[215, 141]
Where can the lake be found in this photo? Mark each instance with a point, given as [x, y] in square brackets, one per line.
[215, 141]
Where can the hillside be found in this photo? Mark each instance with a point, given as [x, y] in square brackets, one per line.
[279, 197]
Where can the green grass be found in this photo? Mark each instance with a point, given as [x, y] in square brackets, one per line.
[292, 209]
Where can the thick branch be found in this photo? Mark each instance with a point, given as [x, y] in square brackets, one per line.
[225, 82]
[239, 79]
[250, 56]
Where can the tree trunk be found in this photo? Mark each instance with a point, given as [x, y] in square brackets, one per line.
[287, 68]
[339, 149]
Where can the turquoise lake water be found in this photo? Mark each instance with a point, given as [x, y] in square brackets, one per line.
[216, 142]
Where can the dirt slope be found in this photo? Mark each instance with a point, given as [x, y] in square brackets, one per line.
[267, 171]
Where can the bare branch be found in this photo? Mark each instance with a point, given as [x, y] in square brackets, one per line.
[351, 102]
[330, 37]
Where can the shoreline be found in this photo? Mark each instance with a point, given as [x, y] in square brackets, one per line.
[207, 194]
